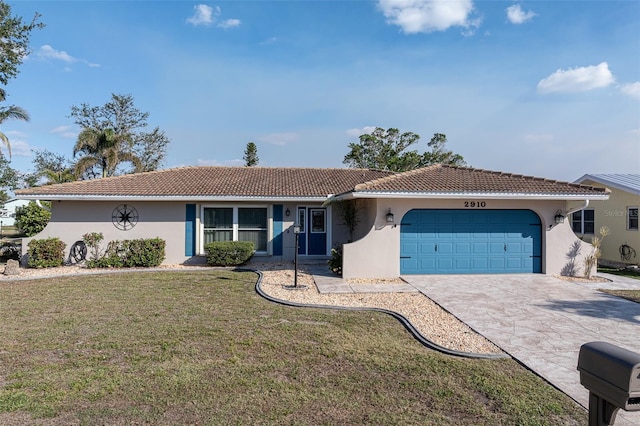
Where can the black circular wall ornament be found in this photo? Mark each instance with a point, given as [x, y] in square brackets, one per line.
[124, 217]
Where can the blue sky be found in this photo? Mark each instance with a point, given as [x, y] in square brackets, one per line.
[543, 88]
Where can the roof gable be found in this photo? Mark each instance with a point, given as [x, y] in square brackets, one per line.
[624, 182]
[446, 179]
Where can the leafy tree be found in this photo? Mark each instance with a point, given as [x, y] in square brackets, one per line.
[104, 150]
[9, 178]
[6, 113]
[15, 36]
[251, 155]
[387, 150]
[120, 116]
[31, 219]
[55, 168]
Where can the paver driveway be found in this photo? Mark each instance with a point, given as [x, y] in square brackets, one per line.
[539, 320]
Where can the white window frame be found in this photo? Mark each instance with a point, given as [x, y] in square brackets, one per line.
[235, 226]
[629, 228]
[582, 222]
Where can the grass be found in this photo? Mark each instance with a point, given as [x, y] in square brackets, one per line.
[620, 272]
[203, 348]
[633, 295]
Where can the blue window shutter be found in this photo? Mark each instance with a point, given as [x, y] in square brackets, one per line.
[190, 231]
[277, 229]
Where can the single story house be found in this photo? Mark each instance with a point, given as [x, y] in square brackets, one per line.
[619, 213]
[435, 220]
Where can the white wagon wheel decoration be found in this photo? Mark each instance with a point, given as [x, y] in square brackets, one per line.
[124, 217]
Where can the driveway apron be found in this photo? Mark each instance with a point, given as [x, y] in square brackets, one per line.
[539, 320]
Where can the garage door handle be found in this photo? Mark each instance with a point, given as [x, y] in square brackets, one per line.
[436, 247]
[505, 248]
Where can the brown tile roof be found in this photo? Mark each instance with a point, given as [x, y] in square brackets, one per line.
[452, 179]
[213, 182]
[265, 182]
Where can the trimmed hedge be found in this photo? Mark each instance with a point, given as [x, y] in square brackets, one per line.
[141, 253]
[228, 253]
[45, 253]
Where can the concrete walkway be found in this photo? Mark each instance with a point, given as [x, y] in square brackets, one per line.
[541, 321]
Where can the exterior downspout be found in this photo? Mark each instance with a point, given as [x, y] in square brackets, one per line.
[586, 204]
[39, 204]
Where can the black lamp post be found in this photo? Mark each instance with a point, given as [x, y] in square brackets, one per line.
[296, 230]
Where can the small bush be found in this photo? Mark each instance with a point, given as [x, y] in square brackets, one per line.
[228, 253]
[46, 253]
[141, 253]
[335, 263]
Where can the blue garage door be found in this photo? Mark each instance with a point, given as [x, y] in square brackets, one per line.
[470, 242]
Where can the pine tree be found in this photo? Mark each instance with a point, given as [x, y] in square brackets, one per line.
[251, 155]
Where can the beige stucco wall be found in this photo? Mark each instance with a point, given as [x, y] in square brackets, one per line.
[377, 254]
[70, 220]
[612, 213]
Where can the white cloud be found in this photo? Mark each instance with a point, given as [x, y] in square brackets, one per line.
[229, 23]
[357, 132]
[207, 16]
[47, 52]
[631, 89]
[64, 131]
[19, 148]
[425, 16]
[203, 15]
[279, 138]
[577, 79]
[516, 15]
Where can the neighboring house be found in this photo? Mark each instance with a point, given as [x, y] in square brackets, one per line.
[619, 213]
[438, 219]
[8, 211]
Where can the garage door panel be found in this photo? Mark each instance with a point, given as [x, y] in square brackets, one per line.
[470, 241]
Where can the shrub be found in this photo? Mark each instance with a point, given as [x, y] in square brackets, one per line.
[46, 253]
[335, 263]
[143, 253]
[10, 250]
[228, 253]
[92, 241]
[31, 219]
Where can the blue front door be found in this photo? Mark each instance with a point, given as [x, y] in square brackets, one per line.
[313, 231]
[470, 242]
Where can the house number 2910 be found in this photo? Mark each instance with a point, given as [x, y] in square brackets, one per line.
[475, 204]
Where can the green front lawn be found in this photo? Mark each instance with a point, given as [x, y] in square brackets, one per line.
[203, 348]
[633, 295]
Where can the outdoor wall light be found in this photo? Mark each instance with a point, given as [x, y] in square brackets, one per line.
[287, 212]
[559, 217]
[389, 217]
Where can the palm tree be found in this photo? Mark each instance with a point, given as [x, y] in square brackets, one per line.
[58, 176]
[6, 113]
[103, 149]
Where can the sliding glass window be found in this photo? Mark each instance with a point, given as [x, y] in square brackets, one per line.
[236, 224]
[218, 224]
[252, 226]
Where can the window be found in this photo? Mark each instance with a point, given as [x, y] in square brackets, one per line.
[583, 222]
[252, 226]
[632, 218]
[218, 225]
[236, 224]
